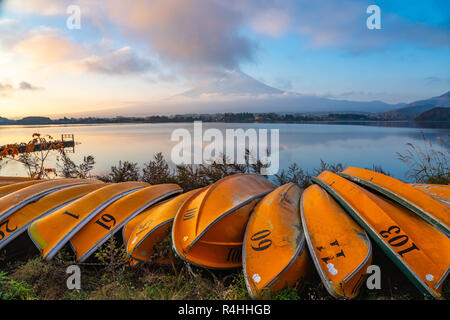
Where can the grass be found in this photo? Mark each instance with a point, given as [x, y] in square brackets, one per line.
[11, 289]
[38, 279]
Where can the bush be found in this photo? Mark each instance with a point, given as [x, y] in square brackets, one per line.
[427, 164]
[125, 171]
[14, 290]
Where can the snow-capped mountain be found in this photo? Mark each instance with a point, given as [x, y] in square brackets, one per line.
[232, 83]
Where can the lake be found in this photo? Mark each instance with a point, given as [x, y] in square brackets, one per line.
[358, 145]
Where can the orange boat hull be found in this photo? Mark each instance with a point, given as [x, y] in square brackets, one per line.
[421, 203]
[437, 191]
[110, 220]
[154, 228]
[19, 199]
[52, 232]
[339, 247]
[18, 222]
[10, 188]
[274, 250]
[209, 229]
[417, 248]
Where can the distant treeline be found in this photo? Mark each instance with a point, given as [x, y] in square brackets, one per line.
[437, 114]
[226, 117]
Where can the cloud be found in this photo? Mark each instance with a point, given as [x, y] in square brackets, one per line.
[122, 61]
[7, 89]
[47, 47]
[42, 7]
[437, 80]
[27, 86]
[272, 22]
[283, 83]
[10, 32]
[199, 36]
[205, 36]
[342, 25]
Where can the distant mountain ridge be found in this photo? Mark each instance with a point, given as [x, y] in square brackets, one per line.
[416, 108]
[435, 114]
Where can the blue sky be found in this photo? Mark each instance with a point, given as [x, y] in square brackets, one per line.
[135, 52]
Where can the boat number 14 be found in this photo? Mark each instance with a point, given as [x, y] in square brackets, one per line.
[398, 240]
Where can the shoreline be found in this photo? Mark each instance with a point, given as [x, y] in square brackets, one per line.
[381, 123]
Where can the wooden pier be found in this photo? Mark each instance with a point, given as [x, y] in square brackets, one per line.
[67, 142]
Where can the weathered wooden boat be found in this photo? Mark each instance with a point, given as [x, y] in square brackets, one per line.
[110, 220]
[420, 251]
[129, 227]
[421, 203]
[18, 222]
[15, 179]
[154, 227]
[274, 249]
[439, 192]
[209, 229]
[339, 247]
[52, 232]
[10, 188]
[19, 199]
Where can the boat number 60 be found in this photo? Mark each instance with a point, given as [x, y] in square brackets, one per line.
[261, 239]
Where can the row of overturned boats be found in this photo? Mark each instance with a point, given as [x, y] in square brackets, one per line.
[277, 235]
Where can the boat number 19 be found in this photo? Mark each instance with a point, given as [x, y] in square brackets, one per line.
[106, 221]
[398, 240]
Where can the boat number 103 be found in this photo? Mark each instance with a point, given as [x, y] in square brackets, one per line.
[397, 240]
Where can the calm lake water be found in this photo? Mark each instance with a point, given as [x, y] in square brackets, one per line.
[306, 144]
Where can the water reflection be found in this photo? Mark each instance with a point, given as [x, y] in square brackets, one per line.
[361, 144]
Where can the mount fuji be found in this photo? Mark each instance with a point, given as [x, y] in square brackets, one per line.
[239, 92]
[236, 92]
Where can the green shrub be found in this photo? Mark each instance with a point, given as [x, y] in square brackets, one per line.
[14, 290]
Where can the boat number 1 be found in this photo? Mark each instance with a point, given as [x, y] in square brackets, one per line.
[260, 239]
[398, 240]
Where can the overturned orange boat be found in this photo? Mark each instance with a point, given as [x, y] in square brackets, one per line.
[108, 221]
[52, 232]
[439, 192]
[9, 181]
[19, 199]
[420, 251]
[421, 203]
[208, 231]
[15, 179]
[154, 227]
[274, 249]
[10, 188]
[339, 247]
[18, 222]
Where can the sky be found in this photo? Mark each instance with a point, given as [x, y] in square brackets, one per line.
[133, 53]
